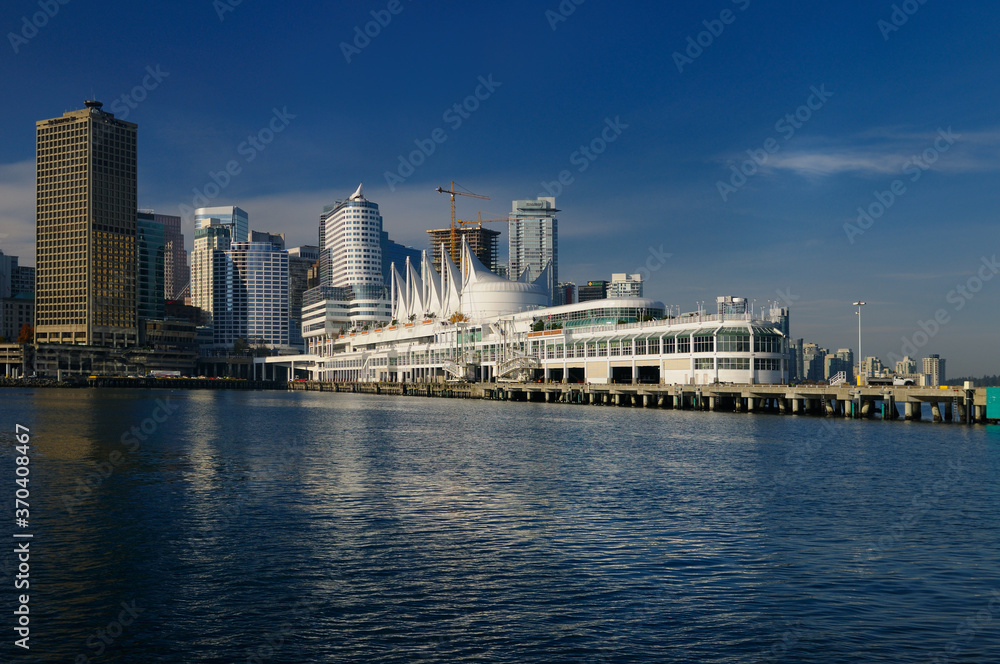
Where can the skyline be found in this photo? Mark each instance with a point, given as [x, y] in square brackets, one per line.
[836, 113]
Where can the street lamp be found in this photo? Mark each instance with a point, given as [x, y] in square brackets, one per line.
[859, 304]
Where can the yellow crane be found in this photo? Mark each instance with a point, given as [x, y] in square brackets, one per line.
[454, 233]
[480, 221]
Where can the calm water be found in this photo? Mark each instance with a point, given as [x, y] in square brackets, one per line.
[277, 527]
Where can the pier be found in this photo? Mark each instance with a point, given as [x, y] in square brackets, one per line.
[178, 383]
[947, 404]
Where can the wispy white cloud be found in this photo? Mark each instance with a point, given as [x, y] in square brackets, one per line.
[880, 152]
[830, 163]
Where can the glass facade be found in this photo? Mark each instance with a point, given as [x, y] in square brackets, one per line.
[533, 240]
[251, 298]
[601, 316]
[151, 235]
[232, 217]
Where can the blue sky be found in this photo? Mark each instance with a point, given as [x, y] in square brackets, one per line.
[868, 86]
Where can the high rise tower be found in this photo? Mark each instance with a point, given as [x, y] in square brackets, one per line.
[176, 273]
[85, 250]
[216, 229]
[533, 239]
[353, 231]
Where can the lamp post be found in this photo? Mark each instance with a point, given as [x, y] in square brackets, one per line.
[859, 304]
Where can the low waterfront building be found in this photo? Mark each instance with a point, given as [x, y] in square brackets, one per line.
[473, 325]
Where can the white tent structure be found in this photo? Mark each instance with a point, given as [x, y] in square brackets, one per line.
[474, 292]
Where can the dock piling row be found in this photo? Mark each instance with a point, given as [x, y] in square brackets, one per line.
[946, 405]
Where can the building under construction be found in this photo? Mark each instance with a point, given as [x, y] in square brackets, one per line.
[482, 242]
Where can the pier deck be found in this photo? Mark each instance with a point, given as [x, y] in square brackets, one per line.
[948, 404]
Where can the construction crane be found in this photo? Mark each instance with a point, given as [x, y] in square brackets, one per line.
[480, 221]
[454, 233]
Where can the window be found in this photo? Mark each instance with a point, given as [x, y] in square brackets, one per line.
[705, 363]
[734, 343]
[704, 344]
[767, 364]
[767, 344]
[669, 346]
[734, 363]
[683, 344]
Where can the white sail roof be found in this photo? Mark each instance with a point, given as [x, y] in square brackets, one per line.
[433, 292]
[401, 300]
[453, 285]
[414, 290]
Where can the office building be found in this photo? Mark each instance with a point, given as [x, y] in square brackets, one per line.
[907, 366]
[276, 240]
[323, 264]
[533, 240]
[566, 293]
[17, 297]
[847, 364]
[352, 236]
[8, 264]
[813, 358]
[872, 366]
[301, 261]
[229, 216]
[393, 252]
[796, 361]
[15, 279]
[15, 313]
[594, 290]
[176, 272]
[933, 365]
[835, 363]
[252, 295]
[85, 256]
[312, 278]
[216, 230]
[23, 281]
[150, 245]
[352, 289]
